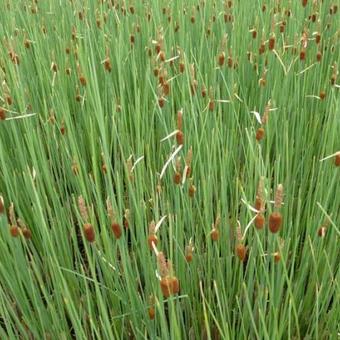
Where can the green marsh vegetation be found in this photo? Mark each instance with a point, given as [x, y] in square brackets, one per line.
[169, 169]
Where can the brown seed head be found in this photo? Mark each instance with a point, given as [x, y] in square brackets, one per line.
[27, 233]
[241, 252]
[177, 177]
[14, 231]
[2, 114]
[277, 257]
[260, 134]
[152, 239]
[89, 232]
[337, 159]
[259, 221]
[214, 234]
[180, 138]
[116, 229]
[151, 313]
[271, 43]
[275, 221]
[192, 190]
[221, 59]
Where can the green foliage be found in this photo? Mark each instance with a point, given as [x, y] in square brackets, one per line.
[63, 139]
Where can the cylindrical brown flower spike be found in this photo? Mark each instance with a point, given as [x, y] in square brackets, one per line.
[215, 234]
[26, 232]
[14, 230]
[260, 134]
[115, 226]
[337, 159]
[116, 229]
[189, 251]
[152, 238]
[277, 257]
[2, 114]
[275, 221]
[259, 221]
[169, 282]
[241, 251]
[221, 59]
[191, 190]
[89, 232]
[151, 310]
[275, 218]
[271, 43]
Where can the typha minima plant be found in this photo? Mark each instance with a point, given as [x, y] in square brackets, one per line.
[107, 62]
[323, 228]
[2, 114]
[194, 83]
[275, 218]
[211, 104]
[25, 230]
[189, 249]
[322, 95]
[180, 134]
[169, 283]
[14, 229]
[188, 159]
[337, 159]
[271, 42]
[177, 175]
[221, 55]
[151, 309]
[215, 233]
[240, 249]
[127, 217]
[192, 189]
[260, 205]
[115, 226]
[88, 229]
[152, 238]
